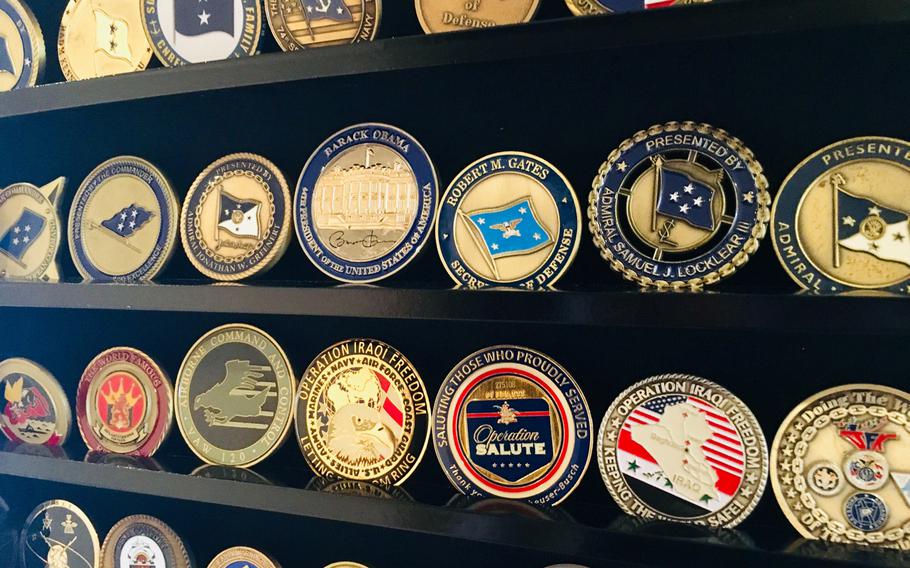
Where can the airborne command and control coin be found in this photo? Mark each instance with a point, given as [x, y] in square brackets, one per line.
[450, 15]
[681, 448]
[679, 205]
[234, 395]
[58, 533]
[236, 218]
[511, 422]
[140, 541]
[30, 231]
[124, 403]
[362, 413]
[841, 220]
[102, 37]
[365, 203]
[242, 557]
[508, 219]
[315, 23]
[587, 7]
[123, 222]
[21, 46]
[35, 409]
[840, 466]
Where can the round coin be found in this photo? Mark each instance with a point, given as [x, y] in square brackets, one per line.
[588, 7]
[30, 231]
[679, 205]
[236, 218]
[840, 466]
[140, 541]
[681, 448]
[511, 422]
[242, 557]
[21, 46]
[123, 222]
[508, 219]
[234, 394]
[316, 23]
[102, 37]
[58, 533]
[450, 15]
[36, 410]
[124, 403]
[365, 203]
[362, 413]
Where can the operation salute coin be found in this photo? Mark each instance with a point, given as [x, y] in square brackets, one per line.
[840, 466]
[123, 222]
[140, 541]
[508, 219]
[301, 24]
[681, 448]
[35, 409]
[679, 205]
[511, 422]
[587, 7]
[242, 557]
[102, 37]
[21, 46]
[234, 394]
[450, 15]
[30, 231]
[362, 413]
[58, 533]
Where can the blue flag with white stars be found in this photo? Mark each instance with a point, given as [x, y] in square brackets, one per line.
[6, 62]
[865, 226]
[20, 236]
[197, 17]
[510, 230]
[686, 199]
[128, 220]
[335, 10]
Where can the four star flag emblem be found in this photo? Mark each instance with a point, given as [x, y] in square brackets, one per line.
[511, 229]
[327, 10]
[112, 36]
[198, 17]
[128, 220]
[20, 236]
[865, 226]
[239, 217]
[6, 62]
[686, 199]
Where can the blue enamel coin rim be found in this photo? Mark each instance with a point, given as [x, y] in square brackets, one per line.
[19, 14]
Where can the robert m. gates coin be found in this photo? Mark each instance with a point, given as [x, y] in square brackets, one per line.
[315, 23]
[508, 219]
[242, 557]
[365, 203]
[841, 220]
[587, 7]
[35, 408]
[123, 222]
[679, 205]
[840, 466]
[124, 403]
[140, 541]
[511, 422]
[681, 448]
[21, 46]
[30, 231]
[362, 413]
[234, 394]
[102, 37]
[58, 533]
[450, 15]
[236, 218]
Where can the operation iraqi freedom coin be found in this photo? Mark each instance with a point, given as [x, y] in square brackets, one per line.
[681, 448]
[508, 219]
[234, 394]
[21, 46]
[58, 533]
[588, 7]
[679, 205]
[124, 403]
[450, 15]
[123, 222]
[140, 541]
[35, 409]
[299, 24]
[242, 557]
[362, 413]
[840, 466]
[511, 422]
[365, 203]
[841, 220]
[236, 218]
[102, 37]
[30, 231]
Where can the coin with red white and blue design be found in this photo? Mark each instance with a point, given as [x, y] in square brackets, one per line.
[587, 7]
[511, 422]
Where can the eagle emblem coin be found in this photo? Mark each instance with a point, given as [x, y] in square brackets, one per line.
[30, 231]
[242, 557]
[450, 15]
[140, 541]
[587, 7]
[21, 46]
[35, 408]
[58, 533]
[300, 24]
[102, 37]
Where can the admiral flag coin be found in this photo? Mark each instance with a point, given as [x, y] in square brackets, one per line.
[316, 23]
[36, 410]
[140, 541]
[30, 231]
[450, 15]
[58, 533]
[242, 557]
[21, 46]
[587, 7]
[102, 37]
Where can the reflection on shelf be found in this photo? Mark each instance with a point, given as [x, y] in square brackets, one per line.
[123, 460]
[508, 507]
[359, 489]
[227, 473]
[693, 533]
[38, 450]
[859, 554]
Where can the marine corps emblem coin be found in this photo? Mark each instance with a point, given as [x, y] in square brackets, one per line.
[140, 541]
[123, 222]
[681, 448]
[450, 15]
[587, 7]
[35, 409]
[841, 220]
[30, 231]
[365, 203]
[102, 37]
[508, 219]
[58, 533]
[679, 205]
[840, 466]
[316, 23]
[242, 557]
[236, 218]
[362, 413]
[21, 46]
[234, 395]
[124, 403]
[511, 422]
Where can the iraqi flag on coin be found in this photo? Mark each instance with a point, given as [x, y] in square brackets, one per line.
[865, 226]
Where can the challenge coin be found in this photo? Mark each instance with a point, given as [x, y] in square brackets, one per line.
[21, 46]
[681, 448]
[316, 23]
[124, 403]
[234, 394]
[102, 37]
[36, 410]
[450, 15]
[236, 218]
[679, 205]
[840, 466]
[841, 220]
[365, 203]
[346, 564]
[30, 231]
[587, 7]
[58, 533]
[123, 222]
[362, 413]
[140, 541]
[508, 219]
[242, 557]
[511, 422]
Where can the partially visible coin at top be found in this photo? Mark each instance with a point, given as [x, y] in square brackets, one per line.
[102, 37]
[450, 15]
[299, 24]
[22, 53]
[588, 7]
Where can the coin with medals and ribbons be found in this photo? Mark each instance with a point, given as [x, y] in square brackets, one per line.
[102, 37]
[22, 53]
[451, 15]
[30, 231]
[589, 7]
[302, 24]
[59, 534]
[35, 407]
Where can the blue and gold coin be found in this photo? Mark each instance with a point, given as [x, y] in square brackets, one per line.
[58, 533]
[30, 231]
[588, 7]
[35, 410]
[508, 219]
[21, 46]
[679, 205]
[141, 541]
[511, 422]
[242, 557]
[365, 203]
